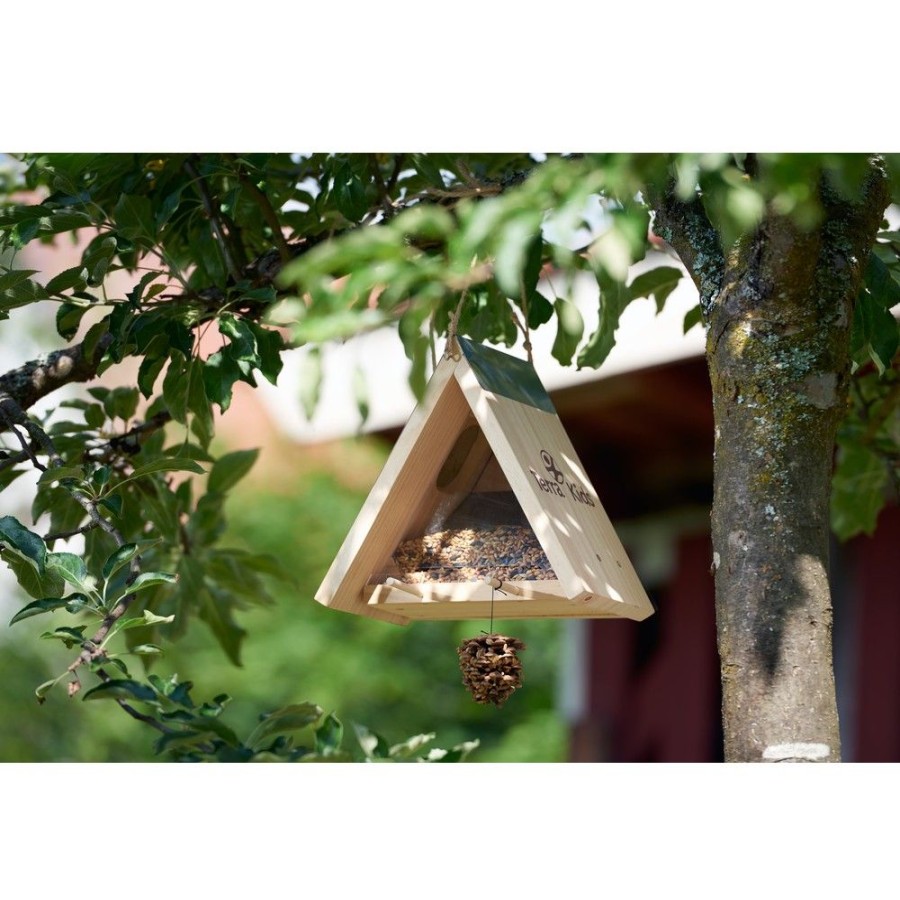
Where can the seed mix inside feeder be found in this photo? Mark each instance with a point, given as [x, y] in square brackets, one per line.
[483, 509]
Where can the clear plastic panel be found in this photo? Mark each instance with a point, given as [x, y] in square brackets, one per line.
[470, 527]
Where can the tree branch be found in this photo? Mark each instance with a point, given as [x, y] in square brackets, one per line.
[40, 377]
[686, 227]
[13, 415]
[64, 535]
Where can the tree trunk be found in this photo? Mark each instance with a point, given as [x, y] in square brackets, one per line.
[779, 310]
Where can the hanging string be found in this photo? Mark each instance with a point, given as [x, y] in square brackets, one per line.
[525, 332]
[496, 585]
[431, 342]
[452, 348]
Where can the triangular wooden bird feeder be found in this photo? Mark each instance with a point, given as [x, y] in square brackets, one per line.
[483, 507]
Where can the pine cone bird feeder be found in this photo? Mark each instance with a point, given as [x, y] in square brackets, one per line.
[490, 667]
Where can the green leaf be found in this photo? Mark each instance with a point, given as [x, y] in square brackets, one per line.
[112, 503]
[288, 718]
[229, 469]
[19, 291]
[76, 603]
[216, 609]
[68, 319]
[50, 584]
[153, 619]
[14, 277]
[881, 285]
[198, 403]
[658, 283]
[121, 403]
[516, 240]
[373, 745]
[146, 650]
[69, 636]
[168, 464]
[858, 492]
[151, 365]
[428, 169]
[337, 324]
[220, 373]
[622, 244]
[121, 689]
[411, 747]
[42, 690]
[72, 568]
[329, 735]
[148, 618]
[36, 607]
[350, 193]
[75, 278]
[874, 333]
[134, 218]
[569, 331]
[120, 557]
[269, 346]
[361, 395]
[29, 545]
[67, 220]
[175, 387]
[97, 257]
[310, 376]
[137, 292]
[613, 300]
[692, 317]
[59, 473]
[457, 754]
[149, 579]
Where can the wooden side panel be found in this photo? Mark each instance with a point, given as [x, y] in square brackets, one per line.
[565, 512]
[408, 476]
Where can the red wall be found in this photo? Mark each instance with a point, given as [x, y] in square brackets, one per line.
[874, 565]
[654, 687]
[653, 691]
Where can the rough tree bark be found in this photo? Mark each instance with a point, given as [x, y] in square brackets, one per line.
[779, 308]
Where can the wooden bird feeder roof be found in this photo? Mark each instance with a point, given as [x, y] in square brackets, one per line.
[483, 502]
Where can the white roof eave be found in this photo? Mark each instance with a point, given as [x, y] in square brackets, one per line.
[643, 339]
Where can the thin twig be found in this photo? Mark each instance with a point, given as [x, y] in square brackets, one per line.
[65, 535]
[525, 333]
[214, 220]
[14, 459]
[398, 168]
[265, 207]
[91, 648]
[452, 348]
[10, 424]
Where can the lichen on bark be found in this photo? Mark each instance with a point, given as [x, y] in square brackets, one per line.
[778, 354]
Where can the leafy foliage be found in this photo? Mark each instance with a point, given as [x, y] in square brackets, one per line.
[270, 251]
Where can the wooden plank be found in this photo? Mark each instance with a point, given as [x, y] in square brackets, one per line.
[406, 482]
[548, 589]
[454, 602]
[562, 506]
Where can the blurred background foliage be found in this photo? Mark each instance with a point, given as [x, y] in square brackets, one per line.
[397, 681]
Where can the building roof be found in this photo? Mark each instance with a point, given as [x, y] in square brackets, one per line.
[644, 339]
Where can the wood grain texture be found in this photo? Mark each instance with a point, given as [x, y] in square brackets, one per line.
[473, 601]
[405, 483]
[562, 506]
[531, 452]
